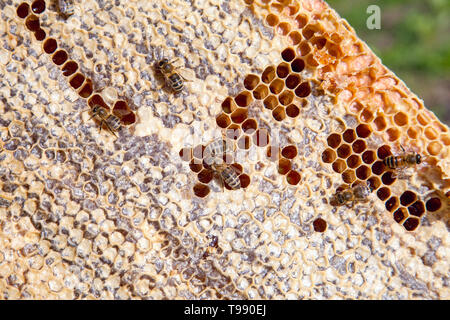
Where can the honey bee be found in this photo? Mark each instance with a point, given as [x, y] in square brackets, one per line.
[359, 192]
[111, 121]
[403, 160]
[214, 150]
[227, 174]
[168, 71]
[66, 7]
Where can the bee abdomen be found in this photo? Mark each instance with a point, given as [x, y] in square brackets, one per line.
[393, 162]
[66, 7]
[231, 178]
[113, 122]
[176, 82]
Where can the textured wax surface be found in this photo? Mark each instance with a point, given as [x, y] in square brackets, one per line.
[86, 215]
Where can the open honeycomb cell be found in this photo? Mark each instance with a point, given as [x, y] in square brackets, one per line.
[228, 105]
[261, 137]
[303, 90]
[32, 23]
[293, 177]
[239, 115]
[284, 166]
[411, 223]
[344, 151]
[243, 99]
[368, 156]
[391, 204]
[417, 209]
[320, 225]
[289, 152]
[283, 70]
[244, 142]
[249, 126]
[380, 123]
[286, 97]
[276, 86]
[50, 46]
[400, 215]
[38, 6]
[407, 198]
[268, 74]
[279, 113]
[260, 92]
[77, 80]
[233, 131]
[298, 65]
[223, 120]
[288, 54]
[363, 172]
[334, 140]
[359, 146]
[295, 38]
[201, 190]
[374, 183]
[383, 193]
[366, 116]
[292, 111]
[251, 81]
[349, 176]
[292, 81]
[339, 165]
[245, 180]
[363, 131]
[388, 178]
[392, 134]
[40, 34]
[349, 135]
[328, 156]
[69, 68]
[23, 10]
[205, 176]
[433, 204]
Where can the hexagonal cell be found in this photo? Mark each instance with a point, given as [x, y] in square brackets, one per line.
[380, 123]
[363, 130]
[288, 54]
[121, 108]
[334, 140]
[96, 99]
[417, 209]
[392, 134]
[292, 111]
[368, 156]
[261, 137]
[344, 151]
[244, 143]
[185, 154]
[284, 166]
[384, 151]
[413, 132]
[69, 68]
[205, 176]
[292, 81]
[40, 34]
[283, 70]
[348, 176]
[356, 107]
[303, 48]
[286, 97]
[301, 20]
[339, 165]
[50, 46]
[283, 28]
[289, 152]
[295, 38]
[320, 225]
[400, 215]
[198, 153]
[298, 65]
[87, 89]
[363, 172]
[276, 86]
[359, 146]
[32, 23]
[268, 74]
[366, 115]
[391, 204]
[383, 193]
[245, 180]
[293, 177]
[249, 126]
[353, 161]
[319, 42]
[243, 99]
[201, 190]
[411, 223]
[270, 102]
[400, 119]
[303, 90]
[430, 133]
[279, 113]
[23, 10]
[77, 80]
[233, 131]
[239, 115]
[38, 6]
[349, 135]
[388, 178]
[374, 183]
[378, 168]
[196, 167]
[59, 57]
[328, 156]
[433, 204]
[407, 198]
[311, 61]
[260, 92]
[228, 105]
[251, 81]
[272, 20]
[128, 118]
[434, 148]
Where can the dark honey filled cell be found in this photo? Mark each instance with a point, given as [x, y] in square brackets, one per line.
[23, 10]
[249, 126]
[363, 130]
[368, 156]
[97, 100]
[223, 120]
[121, 108]
[86, 90]
[344, 151]
[411, 223]
[400, 214]
[261, 138]
[237, 167]
[292, 81]
[334, 140]
[348, 176]
[272, 20]
[198, 152]
[288, 54]
[77, 80]
[353, 161]
[388, 178]
[50, 45]
[244, 142]
[239, 115]
[359, 146]
[319, 42]
[228, 105]
[233, 131]
[69, 68]
[401, 119]
[378, 168]
[304, 48]
[186, 154]
[283, 28]
[298, 65]
[349, 135]
[194, 166]
[289, 152]
[38, 6]
[282, 70]
[363, 172]
[260, 92]
[205, 176]
[328, 156]
[374, 183]
[128, 118]
[272, 153]
[407, 198]
[268, 75]
[339, 166]
[383, 193]
[279, 113]
[284, 165]
[40, 34]
[251, 81]
[380, 123]
[292, 111]
[32, 23]
[293, 177]
[60, 57]
[243, 99]
[366, 115]
[276, 86]
[201, 190]
[301, 20]
[320, 225]
[392, 134]
[433, 204]
[417, 209]
[295, 38]
[245, 180]
[391, 204]
[286, 97]
[384, 151]
[303, 90]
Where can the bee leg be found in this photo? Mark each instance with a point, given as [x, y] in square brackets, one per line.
[174, 60]
[111, 130]
[187, 80]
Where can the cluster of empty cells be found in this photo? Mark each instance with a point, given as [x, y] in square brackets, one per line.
[70, 68]
[349, 155]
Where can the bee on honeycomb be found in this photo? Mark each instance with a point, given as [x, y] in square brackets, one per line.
[359, 192]
[167, 69]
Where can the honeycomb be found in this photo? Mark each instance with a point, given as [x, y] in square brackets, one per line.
[308, 110]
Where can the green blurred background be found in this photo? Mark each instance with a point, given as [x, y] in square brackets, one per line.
[414, 42]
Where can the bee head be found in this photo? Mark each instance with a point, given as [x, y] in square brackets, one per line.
[418, 158]
[163, 65]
